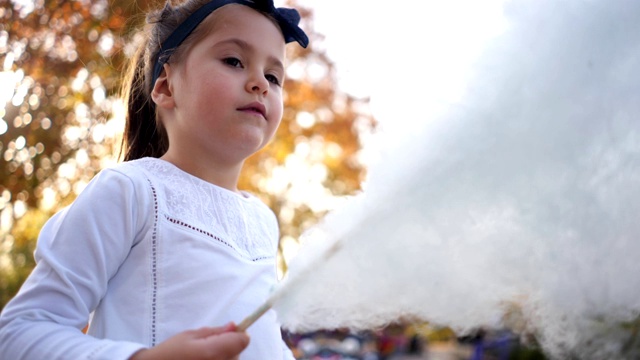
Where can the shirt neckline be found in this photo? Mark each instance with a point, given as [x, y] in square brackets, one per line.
[241, 194]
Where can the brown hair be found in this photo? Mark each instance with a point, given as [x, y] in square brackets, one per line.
[144, 134]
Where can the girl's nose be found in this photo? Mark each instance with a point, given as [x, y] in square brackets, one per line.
[257, 83]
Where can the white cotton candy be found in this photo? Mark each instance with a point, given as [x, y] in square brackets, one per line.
[518, 206]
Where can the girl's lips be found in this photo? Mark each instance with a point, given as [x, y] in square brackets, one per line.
[255, 107]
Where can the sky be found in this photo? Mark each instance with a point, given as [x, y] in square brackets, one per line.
[403, 57]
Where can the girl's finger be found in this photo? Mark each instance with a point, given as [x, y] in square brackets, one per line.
[211, 331]
[228, 344]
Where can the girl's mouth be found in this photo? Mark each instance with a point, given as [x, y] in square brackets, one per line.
[255, 107]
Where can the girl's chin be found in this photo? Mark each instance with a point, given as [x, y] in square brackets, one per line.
[249, 145]
[255, 140]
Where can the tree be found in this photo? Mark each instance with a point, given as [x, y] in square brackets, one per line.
[61, 122]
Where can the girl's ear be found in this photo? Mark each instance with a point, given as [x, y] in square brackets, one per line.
[162, 92]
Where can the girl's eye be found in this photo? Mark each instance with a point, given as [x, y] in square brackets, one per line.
[273, 79]
[231, 61]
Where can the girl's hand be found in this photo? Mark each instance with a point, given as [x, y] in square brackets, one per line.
[219, 343]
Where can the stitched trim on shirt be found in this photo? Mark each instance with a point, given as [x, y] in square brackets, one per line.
[154, 266]
[184, 224]
[262, 258]
[204, 232]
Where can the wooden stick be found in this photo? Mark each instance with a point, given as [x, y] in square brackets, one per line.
[254, 316]
[284, 288]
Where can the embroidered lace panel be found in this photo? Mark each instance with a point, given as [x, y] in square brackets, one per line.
[245, 224]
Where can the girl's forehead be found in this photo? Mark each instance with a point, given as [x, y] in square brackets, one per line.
[285, 20]
[238, 15]
[246, 24]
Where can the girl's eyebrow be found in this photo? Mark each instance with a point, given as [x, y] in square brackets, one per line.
[248, 47]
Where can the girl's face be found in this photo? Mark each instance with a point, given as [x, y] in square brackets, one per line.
[227, 90]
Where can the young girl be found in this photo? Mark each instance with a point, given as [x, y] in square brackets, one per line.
[160, 248]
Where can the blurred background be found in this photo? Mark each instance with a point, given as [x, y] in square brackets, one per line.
[61, 122]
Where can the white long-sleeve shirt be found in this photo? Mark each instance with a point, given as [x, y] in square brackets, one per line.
[145, 252]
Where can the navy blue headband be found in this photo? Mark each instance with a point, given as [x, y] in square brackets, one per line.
[287, 19]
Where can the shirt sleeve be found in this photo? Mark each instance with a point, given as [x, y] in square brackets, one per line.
[78, 251]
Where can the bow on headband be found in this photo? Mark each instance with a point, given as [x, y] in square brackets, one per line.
[287, 19]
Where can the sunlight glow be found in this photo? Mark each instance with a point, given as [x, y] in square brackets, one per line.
[290, 247]
[19, 209]
[410, 67]
[49, 199]
[305, 119]
[8, 61]
[79, 80]
[106, 43]
[24, 7]
[6, 219]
